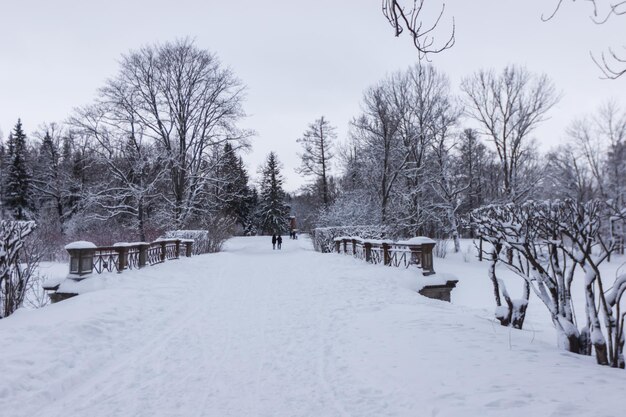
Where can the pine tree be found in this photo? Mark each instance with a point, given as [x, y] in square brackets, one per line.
[473, 159]
[251, 222]
[47, 176]
[72, 176]
[273, 211]
[18, 196]
[3, 157]
[234, 192]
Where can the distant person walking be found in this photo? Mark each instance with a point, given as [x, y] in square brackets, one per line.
[274, 242]
[279, 240]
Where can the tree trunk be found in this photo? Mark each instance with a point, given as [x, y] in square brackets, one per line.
[597, 338]
[454, 225]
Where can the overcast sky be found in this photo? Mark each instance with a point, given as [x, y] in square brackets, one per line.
[299, 58]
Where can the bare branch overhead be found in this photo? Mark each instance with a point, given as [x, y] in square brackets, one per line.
[411, 19]
[611, 63]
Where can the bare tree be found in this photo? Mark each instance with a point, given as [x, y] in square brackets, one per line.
[317, 144]
[508, 107]
[599, 144]
[186, 102]
[375, 134]
[427, 114]
[567, 175]
[405, 118]
[450, 188]
[132, 161]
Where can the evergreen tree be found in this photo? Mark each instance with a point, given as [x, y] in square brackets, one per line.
[70, 167]
[474, 159]
[273, 211]
[18, 196]
[47, 175]
[3, 157]
[234, 192]
[251, 223]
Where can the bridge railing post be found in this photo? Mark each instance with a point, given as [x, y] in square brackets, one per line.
[122, 258]
[143, 254]
[427, 258]
[386, 254]
[163, 253]
[177, 249]
[368, 252]
[81, 259]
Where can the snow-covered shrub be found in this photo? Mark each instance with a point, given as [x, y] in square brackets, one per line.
[50, 239]
[546, 243]
[204, 241]
[16, 267]
[102, 233]
[201, 239]
[323, 237]
[441, 248]
[349, 209]
[467, 254]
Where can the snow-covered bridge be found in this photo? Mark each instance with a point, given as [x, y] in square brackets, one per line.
[256, 332]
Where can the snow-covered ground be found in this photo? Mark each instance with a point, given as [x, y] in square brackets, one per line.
[256, 332]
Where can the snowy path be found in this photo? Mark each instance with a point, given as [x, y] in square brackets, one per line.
[256, 332]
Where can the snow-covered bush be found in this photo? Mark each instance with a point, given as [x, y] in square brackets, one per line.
[16, 270]
[201, 240]
[468, 254]
[204, 241]
[349, 209]
[546, 243]
[323, 237]
[441, 248]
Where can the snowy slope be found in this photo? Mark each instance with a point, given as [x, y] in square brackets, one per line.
[256, 332]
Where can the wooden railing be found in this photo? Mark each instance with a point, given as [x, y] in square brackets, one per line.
[418, 252]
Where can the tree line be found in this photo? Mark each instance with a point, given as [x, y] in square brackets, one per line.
[158, 149]
[419, 159]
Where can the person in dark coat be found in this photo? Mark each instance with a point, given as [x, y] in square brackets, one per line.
[279, 240]
[274, 242]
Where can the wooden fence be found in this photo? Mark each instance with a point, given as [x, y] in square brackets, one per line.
[389, 253]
